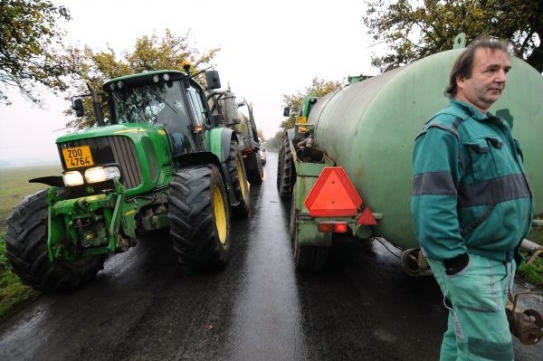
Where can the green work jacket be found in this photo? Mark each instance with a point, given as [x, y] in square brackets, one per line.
[470, 191]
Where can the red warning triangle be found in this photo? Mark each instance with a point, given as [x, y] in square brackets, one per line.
[366, 218]
[333, 195]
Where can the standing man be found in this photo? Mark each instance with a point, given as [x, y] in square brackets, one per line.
[472, 205]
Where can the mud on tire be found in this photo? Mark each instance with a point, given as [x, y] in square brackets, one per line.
[26, 250]
[199, 215]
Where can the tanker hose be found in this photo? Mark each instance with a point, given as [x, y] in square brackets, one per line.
[422, 261]
[409, 260]
[527, 326]
[414, 262]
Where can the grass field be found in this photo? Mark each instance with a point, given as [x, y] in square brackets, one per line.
[14, 186]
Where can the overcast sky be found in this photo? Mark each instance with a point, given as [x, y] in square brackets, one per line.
[268, 48]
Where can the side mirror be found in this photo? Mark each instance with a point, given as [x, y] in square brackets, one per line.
[212, 79]
[286, 112]
[77, 105]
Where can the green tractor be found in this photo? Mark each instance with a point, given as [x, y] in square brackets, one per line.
[286, 171]
[161, 159]
[245, 128]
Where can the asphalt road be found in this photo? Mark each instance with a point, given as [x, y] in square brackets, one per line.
[144, 307]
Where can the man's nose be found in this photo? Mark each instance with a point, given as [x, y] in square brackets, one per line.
[501, 76]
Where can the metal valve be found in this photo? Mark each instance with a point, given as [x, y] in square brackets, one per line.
[526, 325]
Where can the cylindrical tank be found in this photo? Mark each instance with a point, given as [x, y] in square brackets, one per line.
[369, 128]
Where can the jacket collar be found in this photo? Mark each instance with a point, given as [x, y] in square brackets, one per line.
[474, 113]
[471, 110]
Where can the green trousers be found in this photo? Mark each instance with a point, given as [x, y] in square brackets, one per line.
[476, 298]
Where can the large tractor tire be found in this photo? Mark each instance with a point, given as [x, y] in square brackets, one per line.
[238, 177]
[26, 250]
[199, 215]
[286, 174]
[253, 166]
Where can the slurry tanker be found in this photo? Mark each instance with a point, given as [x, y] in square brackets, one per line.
[346, 165]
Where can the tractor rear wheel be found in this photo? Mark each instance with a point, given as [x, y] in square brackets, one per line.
[253, 166]
[26, 250]
[238, 177]
[199, 215]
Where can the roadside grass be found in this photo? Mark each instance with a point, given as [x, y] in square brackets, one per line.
[533, 273]
[14, 187]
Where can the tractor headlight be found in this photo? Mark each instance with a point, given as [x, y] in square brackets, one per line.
[100, 174]
[72, 179]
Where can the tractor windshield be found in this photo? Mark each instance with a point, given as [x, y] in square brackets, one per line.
[156, 103]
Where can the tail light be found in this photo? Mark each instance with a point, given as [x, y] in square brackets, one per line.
[335, 227]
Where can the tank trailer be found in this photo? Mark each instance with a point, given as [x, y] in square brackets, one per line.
[346, 164]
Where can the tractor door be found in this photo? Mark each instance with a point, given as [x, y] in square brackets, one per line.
[199, 111]
[175, 116]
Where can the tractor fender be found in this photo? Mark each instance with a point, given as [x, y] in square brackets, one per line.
[208, 158]
[198, 158]
[218, 141]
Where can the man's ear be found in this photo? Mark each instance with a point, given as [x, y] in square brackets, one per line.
[460, 80]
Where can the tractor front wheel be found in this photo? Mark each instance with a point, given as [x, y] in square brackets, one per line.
[199, 215]
[26, 250]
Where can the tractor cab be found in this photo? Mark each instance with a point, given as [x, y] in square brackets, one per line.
[167, 98]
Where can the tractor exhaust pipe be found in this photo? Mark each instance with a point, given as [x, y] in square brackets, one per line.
[97, 107]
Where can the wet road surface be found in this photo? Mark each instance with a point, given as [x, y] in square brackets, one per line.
[144, 307]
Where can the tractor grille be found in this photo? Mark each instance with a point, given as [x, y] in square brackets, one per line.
[106, 150]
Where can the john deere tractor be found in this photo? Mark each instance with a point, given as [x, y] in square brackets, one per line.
[160, 159]
[225, 101]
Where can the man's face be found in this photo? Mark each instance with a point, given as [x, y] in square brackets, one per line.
[487, 81]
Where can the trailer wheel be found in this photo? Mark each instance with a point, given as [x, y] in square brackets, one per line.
[253, 166]
[309, 258]
[199, 215]
[293, 217]
[286, 174]
[306, 258]
[280, 166]
[238, 177]
[26, 250]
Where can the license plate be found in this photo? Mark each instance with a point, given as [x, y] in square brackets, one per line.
[77, 157]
